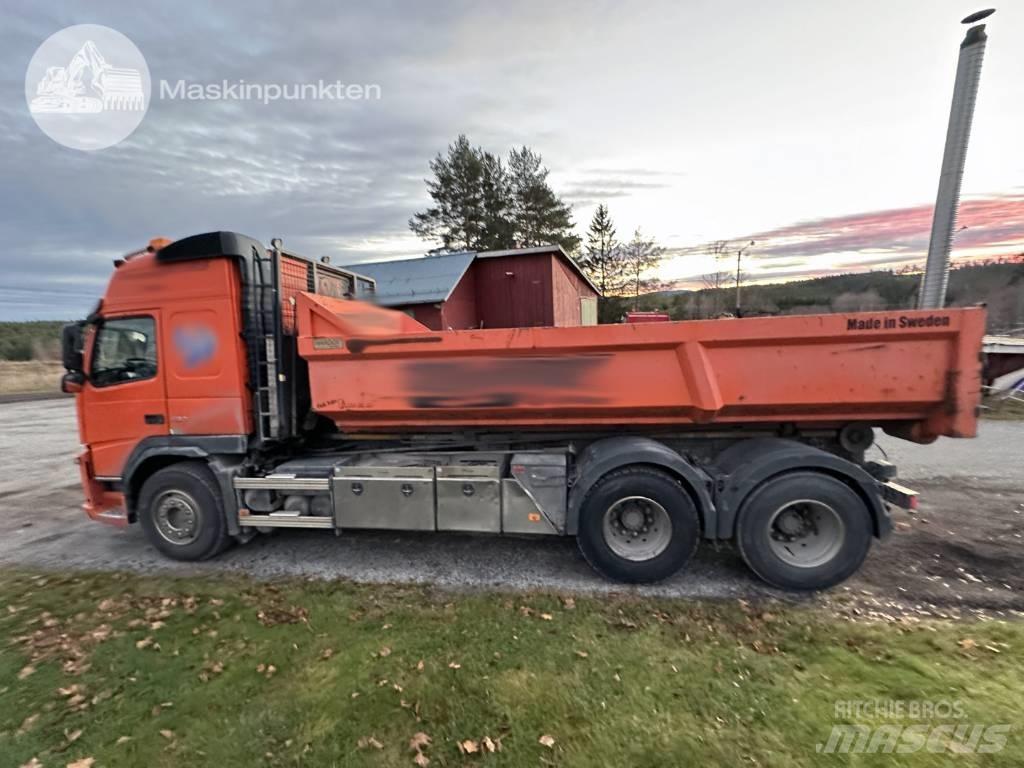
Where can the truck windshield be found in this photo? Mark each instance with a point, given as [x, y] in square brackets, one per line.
[125, 350]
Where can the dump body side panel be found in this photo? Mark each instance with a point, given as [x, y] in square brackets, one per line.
[915, 371]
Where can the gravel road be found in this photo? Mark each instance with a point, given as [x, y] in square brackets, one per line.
[973, 490]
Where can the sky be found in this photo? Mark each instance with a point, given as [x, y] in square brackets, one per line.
[813, 128]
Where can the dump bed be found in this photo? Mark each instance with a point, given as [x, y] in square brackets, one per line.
[916, 373]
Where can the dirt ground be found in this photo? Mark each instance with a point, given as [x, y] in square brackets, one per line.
[958, 556]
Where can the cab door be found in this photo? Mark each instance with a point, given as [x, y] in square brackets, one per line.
[123, 399]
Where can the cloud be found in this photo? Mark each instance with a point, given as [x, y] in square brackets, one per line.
[887, 239]
[996, 221]
[342, 178]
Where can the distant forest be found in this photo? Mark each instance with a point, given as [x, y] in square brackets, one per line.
[1000, 286]
[34, 340]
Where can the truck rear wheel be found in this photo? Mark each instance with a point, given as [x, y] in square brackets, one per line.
[638, 525]
[804, 531]
[181, 513]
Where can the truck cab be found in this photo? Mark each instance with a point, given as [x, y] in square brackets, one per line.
[186, 340]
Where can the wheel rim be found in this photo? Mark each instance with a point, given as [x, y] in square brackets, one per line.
[806, 533]
[637, 528]
[177, 517]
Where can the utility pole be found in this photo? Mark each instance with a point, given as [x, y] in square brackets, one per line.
[739, 257]
[932, 294]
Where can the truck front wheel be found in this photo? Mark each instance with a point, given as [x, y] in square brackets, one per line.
[638, 525]
[803, 531]
[181, 512]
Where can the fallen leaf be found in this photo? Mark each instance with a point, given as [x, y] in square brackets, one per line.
[156, 625]
[26, 671]
[419, 740]
[123, 739]
[419, 665]
[421, 760]
[454, 665]
[369, 741]
[71, 690]
[489, 744]
[569, 603]
[582, 654]
[385, 651]
[547, 741]
[33, 763]
[167, 734]
[967, 643]
[85, 762]
[144, 643]
[327, 653]
[547, 616]
[28, 723]
[469, 747]
[73, 736]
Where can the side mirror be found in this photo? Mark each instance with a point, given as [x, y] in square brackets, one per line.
[71, 382]
[71, 347]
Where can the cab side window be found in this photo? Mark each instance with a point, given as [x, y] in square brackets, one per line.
[125, 350]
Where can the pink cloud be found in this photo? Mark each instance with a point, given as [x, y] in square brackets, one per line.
[903, 232]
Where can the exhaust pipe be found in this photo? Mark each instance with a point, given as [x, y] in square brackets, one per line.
[932, 294]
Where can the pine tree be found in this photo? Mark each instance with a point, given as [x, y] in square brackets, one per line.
[538, 216]
[497, 233]
[602, 258]
[468, 189]
[640, 256]
[479, 204]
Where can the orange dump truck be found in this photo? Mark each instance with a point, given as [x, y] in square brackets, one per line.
[226, 389]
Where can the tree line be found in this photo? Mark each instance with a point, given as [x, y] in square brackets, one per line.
[481, 202]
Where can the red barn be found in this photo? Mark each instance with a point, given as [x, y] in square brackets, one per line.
[517, 288]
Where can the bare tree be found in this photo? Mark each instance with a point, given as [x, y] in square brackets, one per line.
[715, 282]
[640, 257]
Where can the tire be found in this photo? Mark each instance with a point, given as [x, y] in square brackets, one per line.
[804, 531]
[637, 498]
[181, 513]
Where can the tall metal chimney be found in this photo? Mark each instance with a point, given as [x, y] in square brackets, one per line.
[965, 88]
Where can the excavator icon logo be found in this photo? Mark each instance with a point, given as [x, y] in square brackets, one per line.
[62, 89]
[78, 96]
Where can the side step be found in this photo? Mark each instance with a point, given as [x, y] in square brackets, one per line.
[285, 521]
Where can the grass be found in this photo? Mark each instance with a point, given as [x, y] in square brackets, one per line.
[137, 671]
[29, 376]
[1008, 409]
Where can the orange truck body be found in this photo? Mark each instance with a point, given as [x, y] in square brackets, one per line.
[916, 373]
